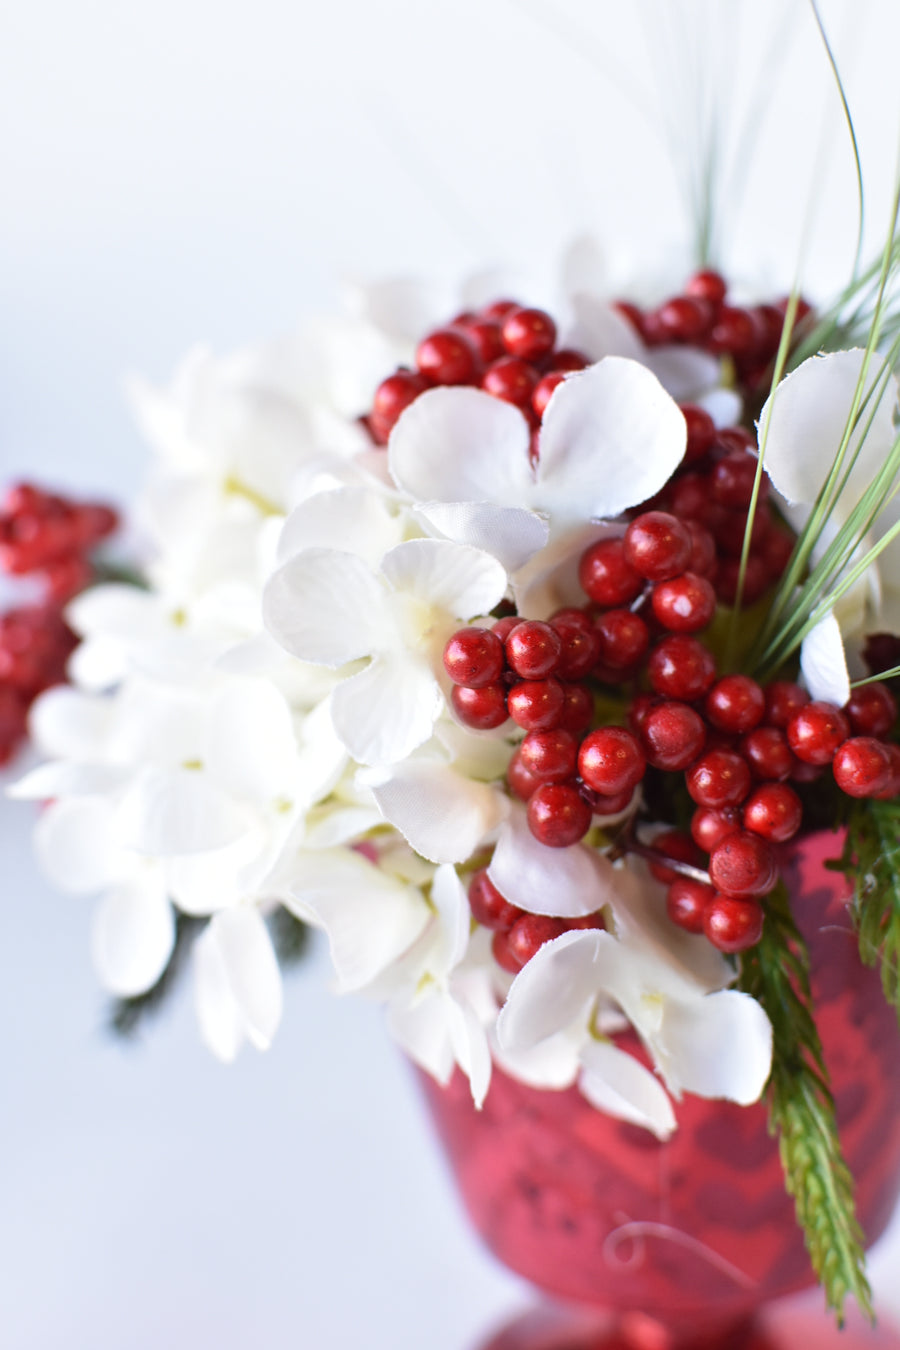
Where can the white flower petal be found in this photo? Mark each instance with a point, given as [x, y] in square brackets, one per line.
[370, 918]
[724, 406]
[171, 811]
[69, 779]
[442, 814]
[716, 1046]
[218, 1015]
[387, 710]
[133, 935]
[449, 898]
[470, 1047]
[67, 724]
[461, 445]
[600, 330]
[509, 533]
[611, 437]
[460, 580]
[566, 882]
[617, 1083]
[251, 967]
[76, 844]
[824, 664]
[555, 988]
[683, 373]
[252, 751]
[325, 607]
[352, 519]
[421, 1030]
[806, 418]
[552, 1063]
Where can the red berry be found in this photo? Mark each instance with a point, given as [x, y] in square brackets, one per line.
[545, 389]
[558, 816]
[536, 704]
[482, 708]
[549, 756]
[392, 396]
[893, 787]
[709, 826]
[605, 804]
[815, 732]
[505, 958]
[567, 360]
[522, 782]
[774, 811]
[862, 767]
[511, 380]
[732, 478]
[707, 285]
[872, 710]
[65, 577]
[783, 700]
[767, 752]
[720, 778]
[657, 546]
[677, 845]
[684, 318]
[533, 649]
[485, 337]
[743, 865]
[733, 331]
[701, 431]
[673, 735]
[488, 906]
[681, 667]
[580, 644]
[641, 706]
[595, 920]
[474, 657]
[733, 925]
[611, 760]
[685, 604]
[776, 550]
[498, 309]
[624, 639]
[503, 627]
[736, 704]
[703, 559]
[529, 934]
[605, 574]
[448, 357]
[529, 334]
[687, 901]
[578, 708]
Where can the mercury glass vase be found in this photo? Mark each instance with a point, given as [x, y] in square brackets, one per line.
[684, 1243]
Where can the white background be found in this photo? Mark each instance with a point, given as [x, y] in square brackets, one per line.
[188, 170]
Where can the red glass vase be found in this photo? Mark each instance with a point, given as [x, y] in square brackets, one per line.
[681, 1243]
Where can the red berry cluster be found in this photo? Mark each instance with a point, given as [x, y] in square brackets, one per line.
[45, 536]
[517, 934]
[507, 349]
[701, 318]
[736, 745]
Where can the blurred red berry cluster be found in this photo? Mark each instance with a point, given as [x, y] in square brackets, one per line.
[49, 539]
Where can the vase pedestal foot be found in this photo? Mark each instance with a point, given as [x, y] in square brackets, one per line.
[793, 1324]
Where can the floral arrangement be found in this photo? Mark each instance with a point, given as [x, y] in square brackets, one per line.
[506, 644]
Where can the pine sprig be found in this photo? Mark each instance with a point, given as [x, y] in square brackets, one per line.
[871, 863]
[801, 1110]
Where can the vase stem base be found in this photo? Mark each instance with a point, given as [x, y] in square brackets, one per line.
[783, 1326]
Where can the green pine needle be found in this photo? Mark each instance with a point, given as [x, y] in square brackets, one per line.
[871, 863]
[801, 1110]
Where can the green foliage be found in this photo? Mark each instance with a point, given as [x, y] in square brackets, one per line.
[871, 863]
[801, 1109]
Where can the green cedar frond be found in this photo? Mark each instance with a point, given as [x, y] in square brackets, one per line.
[801, 1109]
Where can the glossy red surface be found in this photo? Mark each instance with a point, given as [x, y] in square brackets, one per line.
[696, 1232]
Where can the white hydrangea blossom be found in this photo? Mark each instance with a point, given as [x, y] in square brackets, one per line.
[269, 722]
